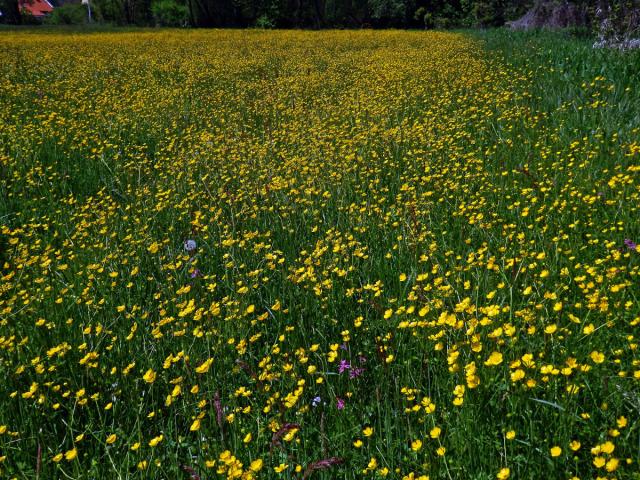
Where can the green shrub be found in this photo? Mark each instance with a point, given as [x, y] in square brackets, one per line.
[263, 21]
[27, 19]
[169, 13]
[68, 14]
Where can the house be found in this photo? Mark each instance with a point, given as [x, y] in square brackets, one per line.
[36, 8]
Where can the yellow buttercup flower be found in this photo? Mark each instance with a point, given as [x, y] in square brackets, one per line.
[280, 468]
[204, 367]
[71, 455]
[149, 376]
[256, 465]
[503, 474]
[494, 359]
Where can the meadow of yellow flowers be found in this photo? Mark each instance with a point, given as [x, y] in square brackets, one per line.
[248, 254]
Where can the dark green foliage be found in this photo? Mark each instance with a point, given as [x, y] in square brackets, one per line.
[68, 14]
[619, 18]
[169, 13]
[123, 12]
[488, 13]
[607, 18]
[27, 19]
[264, 21]
[442, 13]
[389, 11]
[10, 12]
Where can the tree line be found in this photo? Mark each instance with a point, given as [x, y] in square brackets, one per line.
[284, 13]
[296, 13]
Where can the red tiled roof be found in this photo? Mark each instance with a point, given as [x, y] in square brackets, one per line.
[37, 8]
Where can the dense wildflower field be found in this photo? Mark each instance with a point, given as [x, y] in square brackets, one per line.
[246, 254]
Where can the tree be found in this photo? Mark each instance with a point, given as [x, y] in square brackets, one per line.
[213, 13]
[10, 12]
[123, 12]
[388, 12]
[489, 13]
[169, 13]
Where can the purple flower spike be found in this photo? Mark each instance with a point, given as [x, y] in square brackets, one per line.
[631, 245]
[340, 403]
[344, 365]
